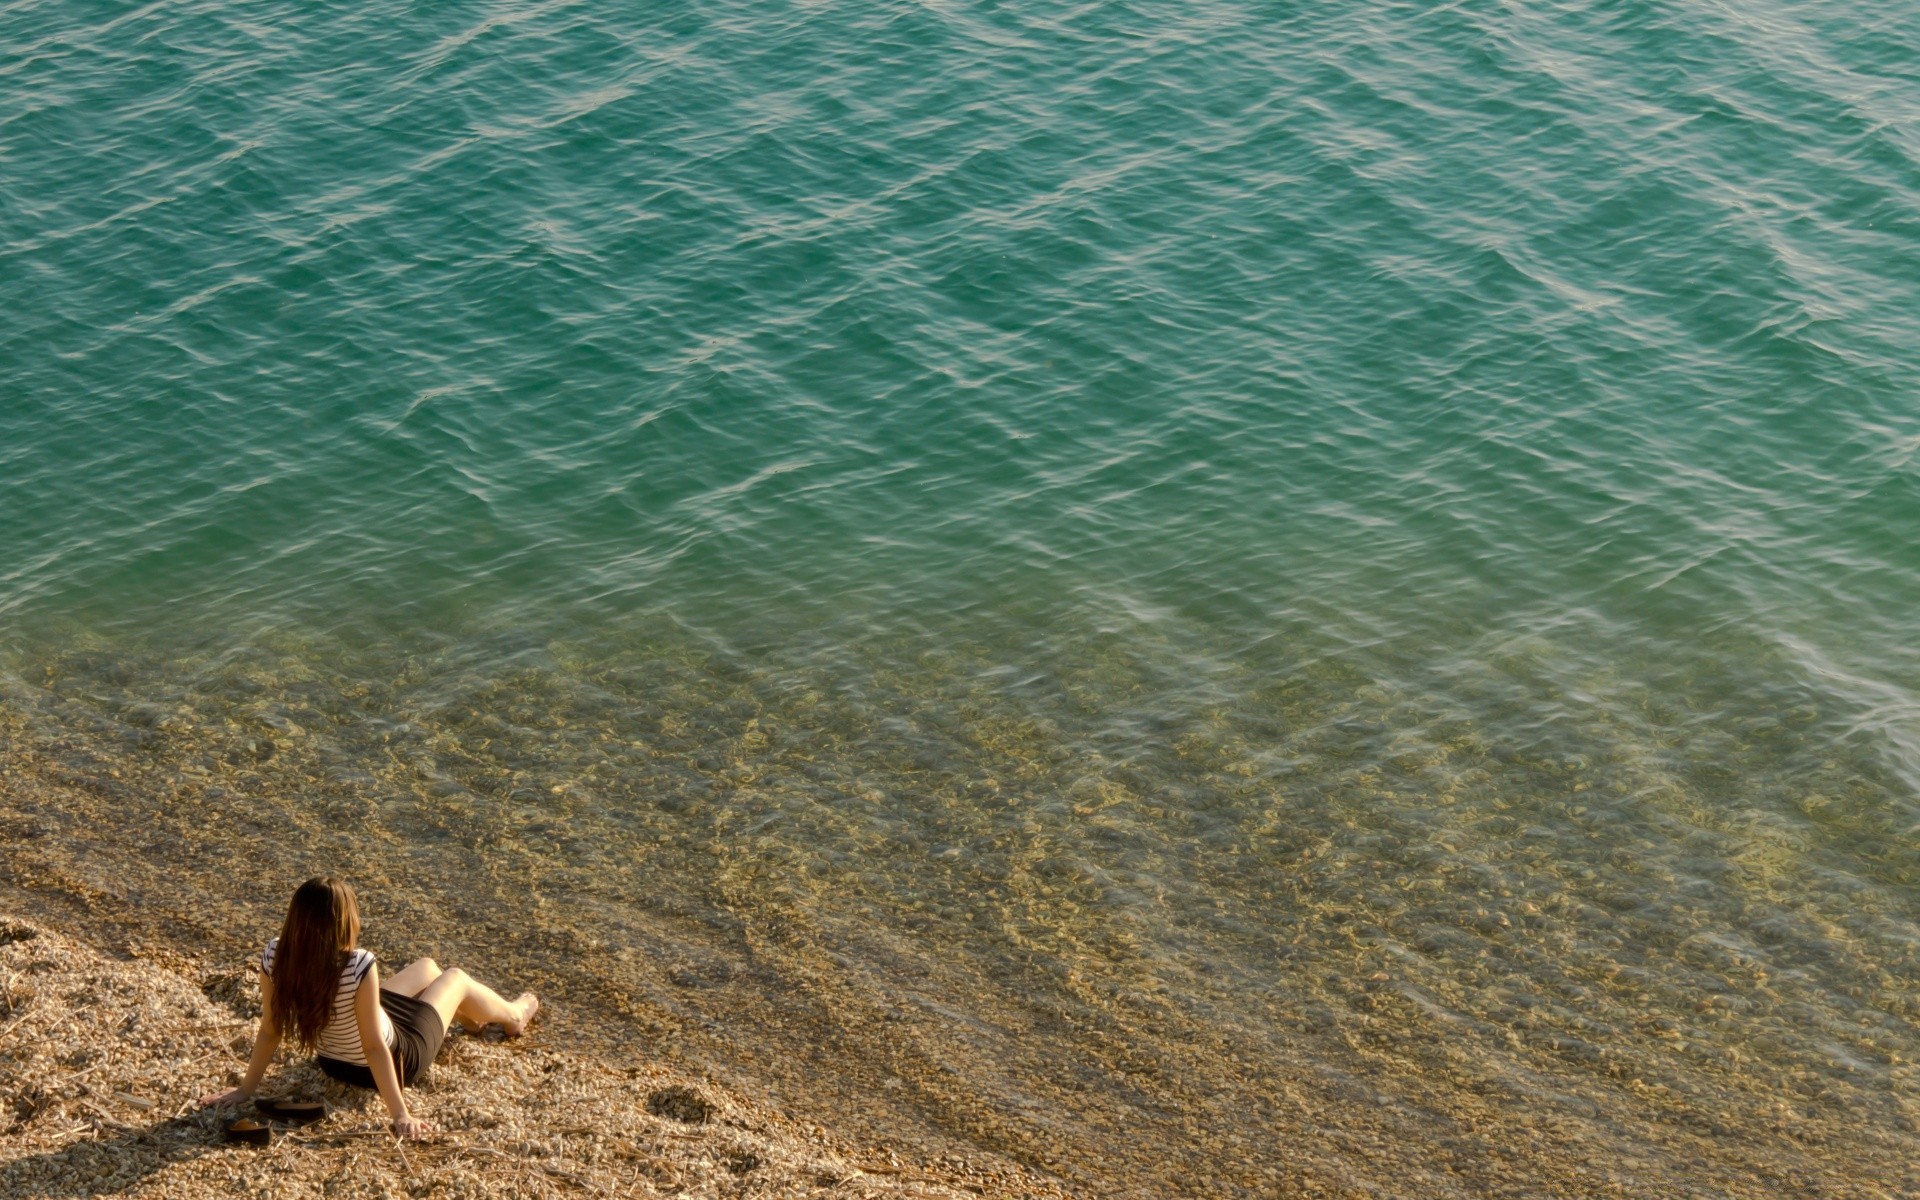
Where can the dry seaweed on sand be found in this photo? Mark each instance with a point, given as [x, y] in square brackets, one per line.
[101, 1061]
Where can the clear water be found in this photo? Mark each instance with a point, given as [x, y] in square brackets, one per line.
[1071, 579]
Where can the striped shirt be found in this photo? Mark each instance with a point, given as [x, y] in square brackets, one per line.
[341, 1038]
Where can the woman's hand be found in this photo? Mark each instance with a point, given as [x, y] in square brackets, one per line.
[410, 1128]
[233, 1095]
[366, 1015]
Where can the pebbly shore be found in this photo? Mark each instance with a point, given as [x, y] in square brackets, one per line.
[102, 1058]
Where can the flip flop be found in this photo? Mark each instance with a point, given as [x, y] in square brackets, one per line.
[252, 1133]
[291, 1112]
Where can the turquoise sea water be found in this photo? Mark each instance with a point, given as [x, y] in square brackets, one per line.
[1256, 515]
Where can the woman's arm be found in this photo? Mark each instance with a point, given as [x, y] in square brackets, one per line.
[266, 1039]
[366, 1011]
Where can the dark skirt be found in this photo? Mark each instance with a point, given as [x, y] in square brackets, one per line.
[417, 1033]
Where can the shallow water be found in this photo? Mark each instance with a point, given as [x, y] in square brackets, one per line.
[1089, 582]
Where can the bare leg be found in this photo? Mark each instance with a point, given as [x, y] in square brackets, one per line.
[413, 979]
[456, 994]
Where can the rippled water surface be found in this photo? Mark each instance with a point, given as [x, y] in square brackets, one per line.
[1090, 583]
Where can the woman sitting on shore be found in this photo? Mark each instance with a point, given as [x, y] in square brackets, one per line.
[318, 987]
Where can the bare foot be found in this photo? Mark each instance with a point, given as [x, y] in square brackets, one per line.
[528, 1004]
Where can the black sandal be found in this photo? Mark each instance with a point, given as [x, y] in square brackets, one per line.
[251, 1133]
[291, 1112]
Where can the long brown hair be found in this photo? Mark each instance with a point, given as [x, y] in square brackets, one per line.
[323, 923]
